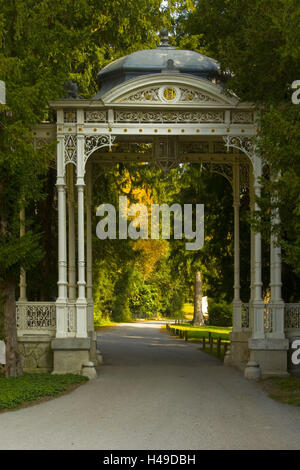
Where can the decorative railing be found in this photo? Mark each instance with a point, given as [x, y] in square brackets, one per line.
[36, 318]
[292, 316]
[245, 316]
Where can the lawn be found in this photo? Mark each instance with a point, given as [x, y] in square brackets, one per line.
[22, 391]
[283, 389]
[196, 333]
[188, 311]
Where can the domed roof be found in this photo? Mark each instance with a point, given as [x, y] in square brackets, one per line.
[165, 58]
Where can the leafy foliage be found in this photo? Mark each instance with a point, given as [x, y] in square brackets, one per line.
[220, 313]
[16, 391]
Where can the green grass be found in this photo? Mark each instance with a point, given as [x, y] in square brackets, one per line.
[20, 391]
[283, 389]
[196, 333]
[188, 311]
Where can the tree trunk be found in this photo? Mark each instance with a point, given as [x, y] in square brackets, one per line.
[13, 367]
[198, 315]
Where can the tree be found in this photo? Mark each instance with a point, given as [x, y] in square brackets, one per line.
[44, 44]
[255, 42]
[198, 315]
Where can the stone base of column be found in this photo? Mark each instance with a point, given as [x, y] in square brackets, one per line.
[69, 354]
[237, 314]
[271, 355]
[239, 348]
[81, 318]
[93, 350]
[61, 307]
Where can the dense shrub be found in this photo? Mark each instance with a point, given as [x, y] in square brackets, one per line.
[144, 303]
[219, 313]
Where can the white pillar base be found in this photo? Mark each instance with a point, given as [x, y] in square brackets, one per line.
[81, 316]
[61, 318]
[277, 309]
[258, 319]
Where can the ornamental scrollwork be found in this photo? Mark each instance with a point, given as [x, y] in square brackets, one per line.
[244, 144]
[241, 117]
[248, 146]
[169, 117]
[192, 95]
[95, 116]
[149, 94]
[95, 142]
[158, 94]
[70, 147]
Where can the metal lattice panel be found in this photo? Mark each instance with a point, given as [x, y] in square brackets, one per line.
[292, 316]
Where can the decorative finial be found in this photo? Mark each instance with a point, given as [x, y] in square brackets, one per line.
[71, 89]
[164, 38]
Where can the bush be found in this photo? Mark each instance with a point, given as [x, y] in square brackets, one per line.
[144, 302]
[219, 313]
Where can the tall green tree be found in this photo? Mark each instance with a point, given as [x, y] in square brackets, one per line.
[42, 45]
[256, 42]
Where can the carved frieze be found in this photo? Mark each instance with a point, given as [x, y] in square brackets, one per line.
[95, 116]
[168, 94]
[169, 116]
[241, 117]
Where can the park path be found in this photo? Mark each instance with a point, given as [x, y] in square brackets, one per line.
[155, 392]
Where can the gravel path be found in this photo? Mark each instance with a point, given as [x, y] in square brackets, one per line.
[155, 392]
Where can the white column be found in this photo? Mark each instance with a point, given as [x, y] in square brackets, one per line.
[252, 249]
[258, 303]
[81, 303]
[89, 261]
[23, 295]
[71, 233]
[62, 301]
[276, 302]
[237, 306]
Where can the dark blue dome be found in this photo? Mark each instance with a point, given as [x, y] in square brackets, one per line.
[164, 58]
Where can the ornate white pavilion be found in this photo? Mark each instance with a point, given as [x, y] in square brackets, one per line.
[173, 101]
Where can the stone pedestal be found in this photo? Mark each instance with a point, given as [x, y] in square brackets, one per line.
[93, 350]
[69, 354]
[239, 349]
[252, 371]
[88, 370]
[270, 354]
[36, 353]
